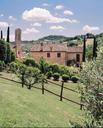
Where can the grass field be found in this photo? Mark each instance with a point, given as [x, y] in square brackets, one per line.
[20, 107]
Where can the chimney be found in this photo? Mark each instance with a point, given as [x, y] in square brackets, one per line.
[42, 46]
[51, 48]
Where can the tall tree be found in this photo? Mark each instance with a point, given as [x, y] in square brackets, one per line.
[1, 34]
[3, 50]
[84, 49]
[94, 47]
[8, 53]
[8, 34]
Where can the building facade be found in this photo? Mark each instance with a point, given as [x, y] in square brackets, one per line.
[57, 53]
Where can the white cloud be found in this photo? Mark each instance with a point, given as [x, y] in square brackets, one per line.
[3, 24]
[59, 7]
[36, 14]
[68, 12]
[12, 37]
[36, 24]
[31, 30]
[59, 20]
[11, 24]
[1, 15]
[46, 4]
[56, 14]
[60, 30]
[12, 18]
[56, 27]
[89, 29]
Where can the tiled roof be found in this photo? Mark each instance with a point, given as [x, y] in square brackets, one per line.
[49, 47]
[12, 46]
[55, 47]
[75, 49]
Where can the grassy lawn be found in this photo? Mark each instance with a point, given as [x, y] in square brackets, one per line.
[20, 107]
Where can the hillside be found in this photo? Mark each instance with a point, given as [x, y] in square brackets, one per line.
[21, 107]
[71, 41]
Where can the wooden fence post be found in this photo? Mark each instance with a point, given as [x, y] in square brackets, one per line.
[61, 91]
[42, 87]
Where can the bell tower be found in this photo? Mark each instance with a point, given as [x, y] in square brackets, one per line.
[18, 43]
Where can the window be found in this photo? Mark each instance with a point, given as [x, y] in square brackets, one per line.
[58, 54]
[48, 54]
[78, 57]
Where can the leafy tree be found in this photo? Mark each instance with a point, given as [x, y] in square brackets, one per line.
[54, 67]
[1, 34]
[3, 50]
[8, 52]
[94, 47]
[91, 90]
[84, 49]
[13, 55]
[72, 44]
[89, 52]
[8, 34]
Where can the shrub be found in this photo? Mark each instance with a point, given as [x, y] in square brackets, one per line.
[49, 74]
[56, 76]
[65, 77]
[54, 67]
[74, 79]
[30, 61]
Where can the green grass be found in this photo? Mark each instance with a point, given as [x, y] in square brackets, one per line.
[20, 107]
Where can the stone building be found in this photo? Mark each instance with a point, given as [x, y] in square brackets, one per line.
[57, 53]
[17, 46]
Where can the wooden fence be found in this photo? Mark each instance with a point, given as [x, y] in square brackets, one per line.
[44, 89]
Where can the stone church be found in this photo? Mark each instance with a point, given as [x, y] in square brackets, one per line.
[17, 46]
[57, 53]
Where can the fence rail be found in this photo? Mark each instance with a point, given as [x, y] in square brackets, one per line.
[47, 89]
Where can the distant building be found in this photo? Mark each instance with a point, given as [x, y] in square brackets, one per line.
[17, 46]
[57, 53]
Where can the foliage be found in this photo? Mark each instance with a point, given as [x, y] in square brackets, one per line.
[3, 50]
[89, 52]
[62, 69]
[44, 65]
[72, 43]
[84, 49]
[1, 34]
[8, 35]
[74, 79]
[94, 47]
[13, 55]
[91, 89]
[54, 67]
[2, 64]
[8, 58]
[65, 77]
[49, 74]
[56, 76]
[32, 62]
[71, 62]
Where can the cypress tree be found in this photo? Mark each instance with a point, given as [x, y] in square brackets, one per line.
[8, 58]
[8, 34]
[94, 47]
[84, 49]
[1, 34]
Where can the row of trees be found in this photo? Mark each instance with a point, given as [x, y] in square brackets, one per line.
[6, 53]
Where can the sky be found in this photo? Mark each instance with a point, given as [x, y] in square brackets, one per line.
[39, 18]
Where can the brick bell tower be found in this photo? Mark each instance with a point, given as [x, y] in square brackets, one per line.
[18, 43]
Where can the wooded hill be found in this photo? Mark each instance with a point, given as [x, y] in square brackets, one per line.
[71, 41]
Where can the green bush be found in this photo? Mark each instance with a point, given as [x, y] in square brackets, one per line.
[49, 74]
[65, 77]
[30, 61]
[74, 79]
[56, 76]
[54, 67]
[1, 64]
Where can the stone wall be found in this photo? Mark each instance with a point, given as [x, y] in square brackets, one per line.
[71, 56]
[53, 57]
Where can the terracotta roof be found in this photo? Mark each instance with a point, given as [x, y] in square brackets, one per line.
[75, 49]
[55, 47]
[12, 46]
[49, 47]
